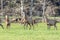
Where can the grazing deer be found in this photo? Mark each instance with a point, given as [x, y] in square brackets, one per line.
[7, 21]
[51, 22]
[1, 24]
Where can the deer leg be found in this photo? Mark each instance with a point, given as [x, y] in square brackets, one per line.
[33, 25]
[48, 26]
[55, 27]
[30, 26]
[8, 25]
[24, 25]
[2, 26]
[37, 24]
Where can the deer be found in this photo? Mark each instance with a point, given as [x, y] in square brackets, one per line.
[51, 22]
[7, 21]
[26, 20]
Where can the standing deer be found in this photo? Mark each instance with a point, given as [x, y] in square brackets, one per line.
[27, 20]
[7, 21]
[51, 22]
[30, 22]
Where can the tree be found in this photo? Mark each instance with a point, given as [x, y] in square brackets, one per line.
[44, 4]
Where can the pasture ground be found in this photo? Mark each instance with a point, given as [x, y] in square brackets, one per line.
[17, 32]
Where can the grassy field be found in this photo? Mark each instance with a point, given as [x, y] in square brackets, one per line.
[17, 32]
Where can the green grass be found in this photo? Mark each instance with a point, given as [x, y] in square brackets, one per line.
[17, 32]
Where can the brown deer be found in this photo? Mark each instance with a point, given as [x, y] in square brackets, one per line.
[7, 21]
[27, 21]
